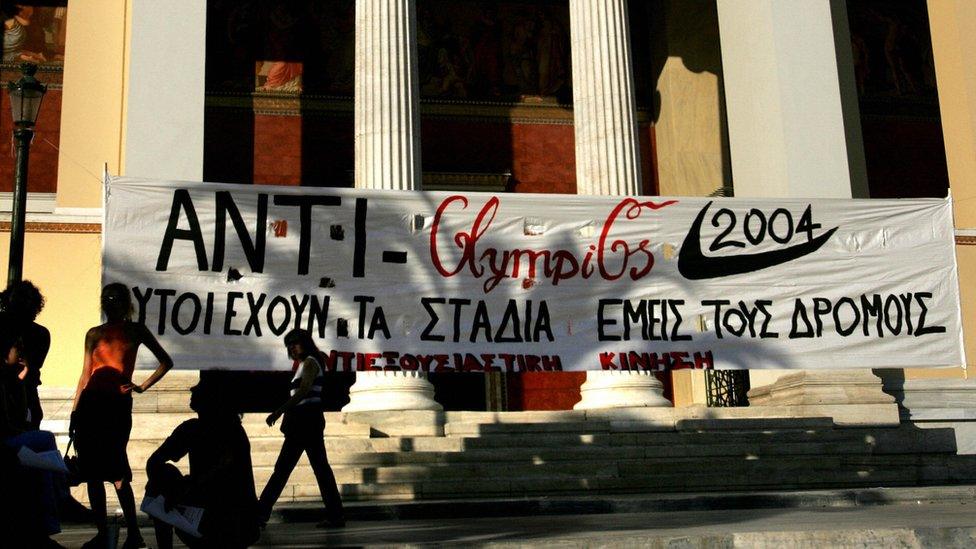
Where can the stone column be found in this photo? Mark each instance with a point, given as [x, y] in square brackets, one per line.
[387, 101]
[794, 131]
[387, 129]
[165, 84]
[607, 155]
[794, 124]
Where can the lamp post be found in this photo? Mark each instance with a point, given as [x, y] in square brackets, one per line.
[25, 103]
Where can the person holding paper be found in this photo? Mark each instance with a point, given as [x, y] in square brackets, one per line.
[28, 511]
[221, 479]
[102, 416]
[304, 428]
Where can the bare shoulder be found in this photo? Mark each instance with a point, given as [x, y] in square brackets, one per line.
[92, 336]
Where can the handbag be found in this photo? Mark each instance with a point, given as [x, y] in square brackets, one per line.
[71, 463]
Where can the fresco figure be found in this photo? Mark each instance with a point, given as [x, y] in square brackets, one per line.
[15, 37]
[551, 53]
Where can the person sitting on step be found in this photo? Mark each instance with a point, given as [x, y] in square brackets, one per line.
[221, 480]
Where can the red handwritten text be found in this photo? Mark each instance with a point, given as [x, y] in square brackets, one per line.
[610, 258]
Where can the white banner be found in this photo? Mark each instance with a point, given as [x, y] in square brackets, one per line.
[442, 281]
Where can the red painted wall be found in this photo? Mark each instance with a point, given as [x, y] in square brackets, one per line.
[544, 390]
[43, 167]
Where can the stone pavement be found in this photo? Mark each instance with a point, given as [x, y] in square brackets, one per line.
[951, 523]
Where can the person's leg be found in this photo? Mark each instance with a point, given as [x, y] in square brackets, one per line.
[163, 480]
[34, 407]
[42, 481]
[315, 449]
[291, 450]
[128, 503]
[48, 502]
[164, 534]
[96, 498]
[69, 509]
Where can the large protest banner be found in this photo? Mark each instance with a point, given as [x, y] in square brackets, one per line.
[442, 281]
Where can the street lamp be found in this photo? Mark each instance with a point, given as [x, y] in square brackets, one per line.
[25, 103]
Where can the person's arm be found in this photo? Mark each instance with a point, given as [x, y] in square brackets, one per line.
[309, 371]
[24, 15]
[165, 362]
[173, 448]
[16, 360]
[86, 367]
[37, 351]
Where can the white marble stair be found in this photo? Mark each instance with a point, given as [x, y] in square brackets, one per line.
[506, 454]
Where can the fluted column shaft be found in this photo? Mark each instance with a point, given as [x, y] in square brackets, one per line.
[387, 129]
[607, 153]
[387, 100]
[607, 156]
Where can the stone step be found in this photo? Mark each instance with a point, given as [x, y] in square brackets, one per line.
[341, 436]
[158, 426]
[746, 437]
[391, 451]
[750, 470]
[754, 424]
[485, 429]
[264, 452]
[302, 488]
[301, 485]
[529, 416]
[824, 468]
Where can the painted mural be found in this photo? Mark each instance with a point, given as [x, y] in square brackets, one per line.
[892, 51]
[34, 34]
[486, 50]
[894, 71]
[468, 50]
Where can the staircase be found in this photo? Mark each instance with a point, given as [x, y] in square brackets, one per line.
[526, 454]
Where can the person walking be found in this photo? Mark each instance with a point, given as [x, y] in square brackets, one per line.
[304, 428]
[102, 416]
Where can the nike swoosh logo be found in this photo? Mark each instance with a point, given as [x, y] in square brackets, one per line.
[695, 265]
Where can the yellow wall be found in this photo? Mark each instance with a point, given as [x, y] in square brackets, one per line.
[953, 26]
[966, 257]
[67, 269]
[690, 129]
[66, 266]
[92, 106]
[953, 29]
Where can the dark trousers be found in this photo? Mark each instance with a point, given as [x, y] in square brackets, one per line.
[304, 431]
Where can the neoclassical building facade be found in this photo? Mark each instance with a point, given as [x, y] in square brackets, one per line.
[751, 98]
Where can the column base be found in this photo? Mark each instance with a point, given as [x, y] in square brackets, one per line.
[932, 399]
[377, 391]
[851, 397]
[621, 389]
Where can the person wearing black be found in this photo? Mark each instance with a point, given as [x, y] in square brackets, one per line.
[21, 303]
[221, 480]
[304, 428]
[28, 512]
